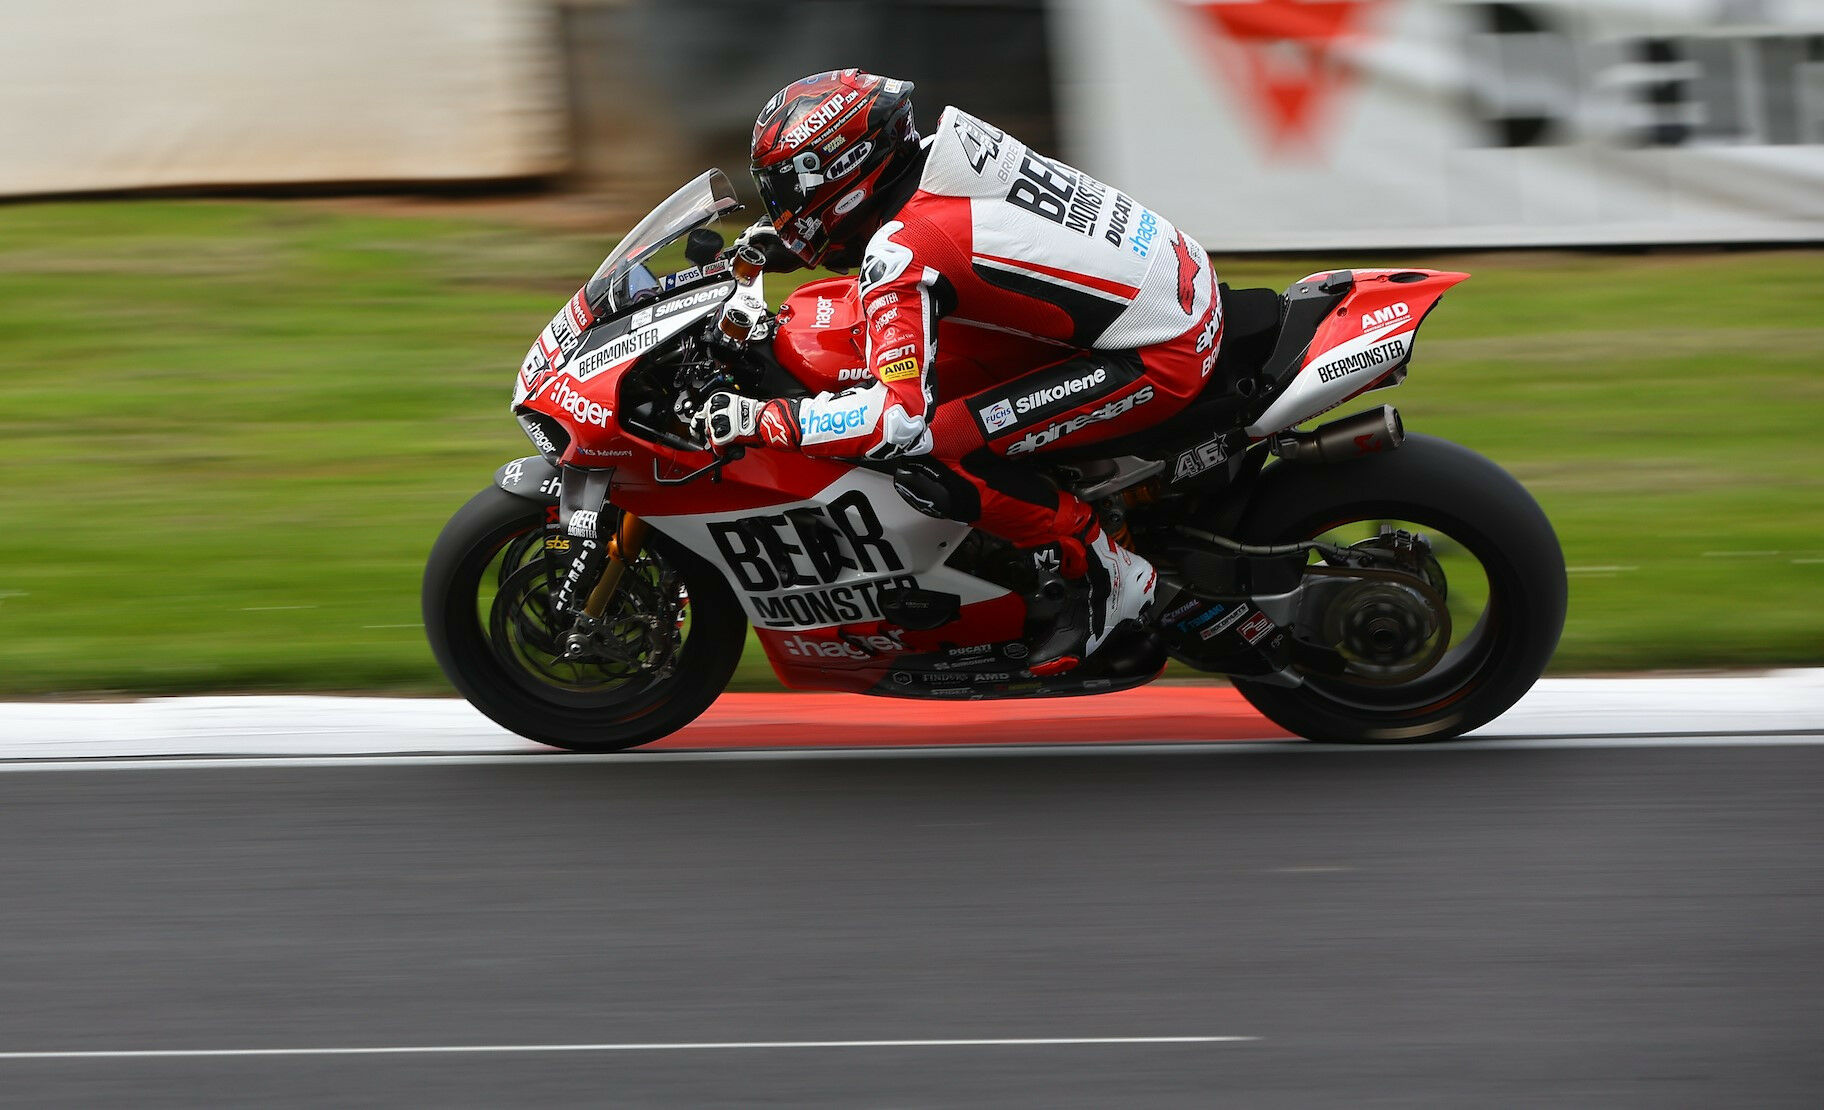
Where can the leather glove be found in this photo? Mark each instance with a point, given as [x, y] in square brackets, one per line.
[763, 236]
[727, 418]
[731, 420]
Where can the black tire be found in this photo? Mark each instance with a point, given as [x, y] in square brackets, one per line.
[1439, 484]
[595, 722]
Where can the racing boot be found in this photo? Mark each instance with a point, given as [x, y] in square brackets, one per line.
[1076, 614]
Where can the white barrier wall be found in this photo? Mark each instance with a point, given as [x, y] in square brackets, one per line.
[112, 94]
[1281, 124]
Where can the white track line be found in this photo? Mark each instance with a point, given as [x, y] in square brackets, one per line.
[676, 1046]
[979, 751]
[296, 727]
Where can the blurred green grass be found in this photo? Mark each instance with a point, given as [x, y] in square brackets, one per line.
[229, 432]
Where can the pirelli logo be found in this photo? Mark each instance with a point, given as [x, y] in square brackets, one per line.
[899, 371]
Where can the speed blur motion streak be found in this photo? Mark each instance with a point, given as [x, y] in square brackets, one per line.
[128, 94]
[1403, 123]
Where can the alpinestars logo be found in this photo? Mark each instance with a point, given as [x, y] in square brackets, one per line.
[1282, 57]
[1051, 433]
[1187, 273]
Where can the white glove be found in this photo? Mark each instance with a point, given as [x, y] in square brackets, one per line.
[764, 237]
[728, 418]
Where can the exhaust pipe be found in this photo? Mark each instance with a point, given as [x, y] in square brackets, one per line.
[1365, 433]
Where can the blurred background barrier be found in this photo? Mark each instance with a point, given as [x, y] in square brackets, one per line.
[1282, 124]
[134, 94]
[1258, 124]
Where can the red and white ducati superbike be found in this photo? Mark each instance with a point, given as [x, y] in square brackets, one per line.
[1355, 583]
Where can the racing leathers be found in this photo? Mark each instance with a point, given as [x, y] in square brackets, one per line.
[1116, 307]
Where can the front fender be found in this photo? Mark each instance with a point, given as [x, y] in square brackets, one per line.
[531, 478]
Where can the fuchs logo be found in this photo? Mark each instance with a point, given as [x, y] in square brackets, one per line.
[1039, 398]
[846, 162]
[1385, 317]
[820, 117]
[581, 409]
[1051, 433]
[998, 416]
[826, 311]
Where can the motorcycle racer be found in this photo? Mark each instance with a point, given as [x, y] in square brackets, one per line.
[970, 229]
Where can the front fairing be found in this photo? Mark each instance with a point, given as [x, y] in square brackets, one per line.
[624, 278]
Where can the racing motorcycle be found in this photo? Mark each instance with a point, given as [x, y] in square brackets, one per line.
[1354, 582]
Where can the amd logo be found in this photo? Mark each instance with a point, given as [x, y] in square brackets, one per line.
[1385, 317]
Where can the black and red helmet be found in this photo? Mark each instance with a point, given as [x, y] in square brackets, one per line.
[825, 148]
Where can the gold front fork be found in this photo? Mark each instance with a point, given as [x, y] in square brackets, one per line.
[623, 548]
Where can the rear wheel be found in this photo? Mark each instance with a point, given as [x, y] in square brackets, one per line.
[671, 636]
[1501, 566]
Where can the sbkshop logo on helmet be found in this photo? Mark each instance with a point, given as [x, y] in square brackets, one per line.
[1051, 433]
[580, 408]
[820, 117]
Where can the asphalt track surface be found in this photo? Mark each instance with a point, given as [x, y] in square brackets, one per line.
[1633, 925]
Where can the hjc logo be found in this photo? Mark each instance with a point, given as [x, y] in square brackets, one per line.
[1385, 317]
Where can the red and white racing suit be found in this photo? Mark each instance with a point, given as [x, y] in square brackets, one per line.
[1113, 309]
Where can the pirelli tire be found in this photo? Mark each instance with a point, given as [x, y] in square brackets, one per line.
[602, 722]
[1435, 483]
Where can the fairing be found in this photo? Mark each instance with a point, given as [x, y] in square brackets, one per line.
[623, 277]
[1364, 342]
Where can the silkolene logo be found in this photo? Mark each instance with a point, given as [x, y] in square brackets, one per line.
[1041, 397]
[580, 408]
[1051, 433]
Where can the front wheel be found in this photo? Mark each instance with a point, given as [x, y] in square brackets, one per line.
[674, 632]
[1497, 554]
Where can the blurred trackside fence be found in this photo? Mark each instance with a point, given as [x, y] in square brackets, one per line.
[1257, 124]
[658, 89]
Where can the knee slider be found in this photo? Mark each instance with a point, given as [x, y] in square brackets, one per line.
[936, 492]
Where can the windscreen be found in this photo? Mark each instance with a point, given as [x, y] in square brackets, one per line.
[623, 275]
